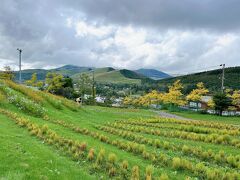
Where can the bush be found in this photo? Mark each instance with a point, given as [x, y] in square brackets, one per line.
[101, 157]
[135, 173]
[2, 97]
[149, 172]
[112, 158]
[112, 171]
[56, 103]
[185, 149]
[200, 169]
[213, 174]
[90, 156]
[26, 91]
[164, 177]
[125, 165]
[23, 103]
[176, 163]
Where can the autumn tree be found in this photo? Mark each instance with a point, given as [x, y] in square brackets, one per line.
[54, 82]
[174, 95]
[127, 101]
[7, 74]
[34, 82]
[236, 98]
[196, 94]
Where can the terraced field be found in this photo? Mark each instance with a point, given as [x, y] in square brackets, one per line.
[48, 137]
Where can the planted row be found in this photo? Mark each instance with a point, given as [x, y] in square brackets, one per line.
[78, 150]
[23, 103]
[210, 138]
[206, 155]
[188, 128]
[139, 149]
[26, 91]
[190, 122]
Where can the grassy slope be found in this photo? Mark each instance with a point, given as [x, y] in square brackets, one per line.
[26, 157]
[109, 75]
[115, 77]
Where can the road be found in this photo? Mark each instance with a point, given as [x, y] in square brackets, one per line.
[169, 115]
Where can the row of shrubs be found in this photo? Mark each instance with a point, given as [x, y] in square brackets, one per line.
[58, 101]
[188, 128]
[78, 151]
[206, 155]
[2, 97]
[210, 138]
[190, 122]
[34, 95]
[23, 103]
[39, 96]
[139, 149]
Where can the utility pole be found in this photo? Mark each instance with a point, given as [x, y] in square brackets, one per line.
[20, 65]
[93, 86]
[223, 76]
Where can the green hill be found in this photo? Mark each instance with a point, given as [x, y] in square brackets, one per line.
[43, 136]
[102, 75]
[212, 79]
[110, 75]
[67, 70]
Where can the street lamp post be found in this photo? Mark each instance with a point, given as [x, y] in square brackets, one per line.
[20, 65]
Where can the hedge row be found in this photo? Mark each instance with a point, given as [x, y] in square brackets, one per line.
[209, 138]
[206, 155]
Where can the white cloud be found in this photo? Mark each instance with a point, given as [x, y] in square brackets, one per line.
[103, 35]
[83, 29]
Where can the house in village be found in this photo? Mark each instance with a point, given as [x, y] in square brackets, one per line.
[202, 104]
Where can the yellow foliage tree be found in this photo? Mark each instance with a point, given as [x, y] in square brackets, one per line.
[127, 101]
[236, 98]
[7, 74]
[196, 94]
[34, 82]
[211, 104]
[174, 95]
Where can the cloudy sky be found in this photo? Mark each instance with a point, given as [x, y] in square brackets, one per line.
[170, 35]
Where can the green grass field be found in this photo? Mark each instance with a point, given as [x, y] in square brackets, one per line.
[59, 140]
[209, 117]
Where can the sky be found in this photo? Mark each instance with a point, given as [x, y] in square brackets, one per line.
[177, 37]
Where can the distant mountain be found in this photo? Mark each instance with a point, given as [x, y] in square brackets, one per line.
[102, 75]
[153, 73]
[111, 75]
[69, 70]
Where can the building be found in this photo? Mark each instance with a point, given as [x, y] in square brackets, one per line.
[202, 104]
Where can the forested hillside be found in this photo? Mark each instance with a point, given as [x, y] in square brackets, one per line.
[212, 79]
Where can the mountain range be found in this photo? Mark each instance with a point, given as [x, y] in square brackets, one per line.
[212, 78]
[102, 75]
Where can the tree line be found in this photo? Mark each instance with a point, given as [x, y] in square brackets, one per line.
[173, 97]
